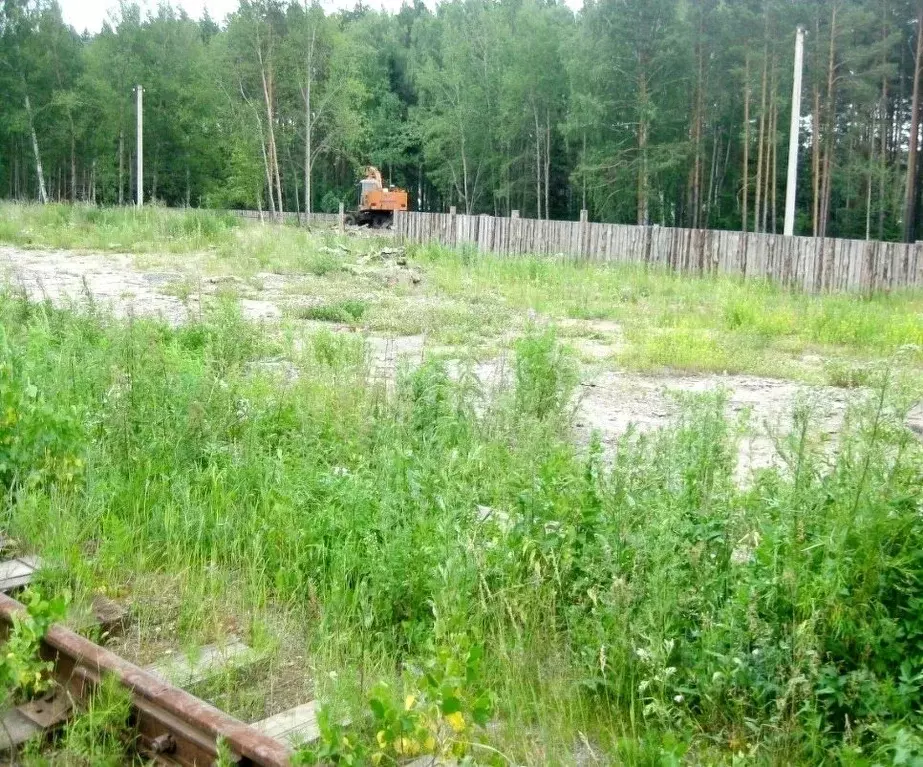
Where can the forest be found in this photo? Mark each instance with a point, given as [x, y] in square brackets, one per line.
[668, 112]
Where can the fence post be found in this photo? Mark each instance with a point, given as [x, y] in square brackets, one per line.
[584, 229]
[342, 219]
[453, 227]
[513, 247]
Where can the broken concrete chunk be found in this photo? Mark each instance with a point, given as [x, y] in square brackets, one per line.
[915, 420]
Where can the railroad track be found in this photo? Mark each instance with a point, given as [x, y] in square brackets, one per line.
[173, 727]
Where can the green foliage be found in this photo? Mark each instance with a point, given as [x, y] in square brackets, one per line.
[39, 440]
[23, 674]
[637, 595]
[441, 708]
[347, 310]
[630, 109]
[330, 203]
[545, 376]
[101, 735]
[152, 228]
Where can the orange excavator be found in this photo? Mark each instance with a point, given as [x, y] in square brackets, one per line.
[377, 202]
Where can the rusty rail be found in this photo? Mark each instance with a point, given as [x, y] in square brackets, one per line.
[173, 726]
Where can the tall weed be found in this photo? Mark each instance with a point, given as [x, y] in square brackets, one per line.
[675, 613]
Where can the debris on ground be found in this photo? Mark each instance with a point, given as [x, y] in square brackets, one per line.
[334, 250]
[398, 255]
[389, 265]
[224, 279]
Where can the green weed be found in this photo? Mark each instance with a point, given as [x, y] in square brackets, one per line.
[636, 595]
[711, 323]
[440, 710]
[23, 673]
[99, 736]
[346, 310]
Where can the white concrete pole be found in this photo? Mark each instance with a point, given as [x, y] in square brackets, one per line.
[139, 181]
[792, 183]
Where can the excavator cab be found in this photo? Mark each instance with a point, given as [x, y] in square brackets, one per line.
[367, 188]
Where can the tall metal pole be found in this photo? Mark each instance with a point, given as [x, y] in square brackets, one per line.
[139, 182]
[792, 183]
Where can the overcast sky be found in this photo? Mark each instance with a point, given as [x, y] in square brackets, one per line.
[89, 14]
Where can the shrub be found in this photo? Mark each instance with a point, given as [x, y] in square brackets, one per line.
[347, 311]
[545, 375]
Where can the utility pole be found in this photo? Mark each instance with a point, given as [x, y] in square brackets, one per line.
[139, 182]
[792, 183]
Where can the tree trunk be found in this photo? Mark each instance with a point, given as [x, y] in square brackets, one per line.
[308, 126]
[121, 167]
[883, 159]
[696, 185]
[760, 140]
[775, 160]
[770, 144]
[712, 177]
[266, 77]
[830, 129]
[815, 162]
[547, 162]
[154, 173]
[583, 174]
[642, 148]
[131, 170]
[746, 163]
[39, 173]
[268, 169]
[308, 130]
[73, 164]
[464, 159]
[910, 190]
[538, 166]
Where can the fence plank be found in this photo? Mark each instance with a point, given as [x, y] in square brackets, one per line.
[805, 263]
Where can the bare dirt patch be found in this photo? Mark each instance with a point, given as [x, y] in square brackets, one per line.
[613, 402]
[114, 281]
[110, 280]
[610, 402]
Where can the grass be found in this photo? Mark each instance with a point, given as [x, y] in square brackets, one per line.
[672, 321]
[653, 320]
[633, 605]
[644, 608]
[346, 310]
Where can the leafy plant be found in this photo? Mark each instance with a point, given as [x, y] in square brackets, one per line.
[441, 708]
[23, 674]
[545, 375]
[347, 310]
[38, 440]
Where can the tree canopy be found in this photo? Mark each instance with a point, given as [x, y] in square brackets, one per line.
[670, 112]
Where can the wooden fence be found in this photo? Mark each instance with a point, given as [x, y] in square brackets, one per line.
[809, 263]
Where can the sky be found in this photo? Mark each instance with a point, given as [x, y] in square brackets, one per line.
[90, 14]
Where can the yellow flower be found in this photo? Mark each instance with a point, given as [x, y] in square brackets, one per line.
[380, 737]
[408, 747]
[456, 721]
[409, 702]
